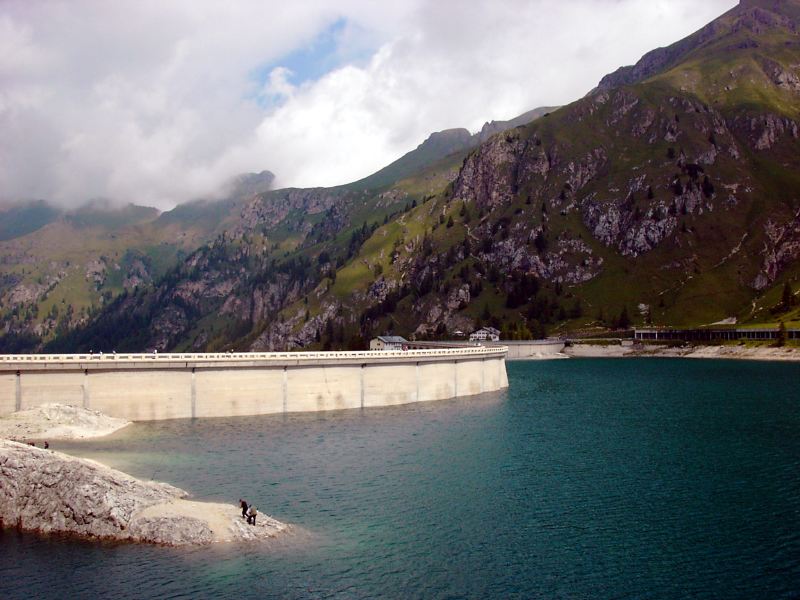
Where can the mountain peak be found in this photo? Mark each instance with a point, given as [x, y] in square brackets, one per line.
[248, 184]
[755, 16]
[447, 138]
[490, 128]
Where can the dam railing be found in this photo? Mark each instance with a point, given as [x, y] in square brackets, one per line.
[231, 357]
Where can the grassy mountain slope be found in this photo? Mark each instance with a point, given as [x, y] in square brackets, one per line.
[674, 198]
[60, 268]
[24, 218]
[439, 146]
[284, 243]
[275, 228]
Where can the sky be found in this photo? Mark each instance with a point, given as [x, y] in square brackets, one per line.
[158, 103]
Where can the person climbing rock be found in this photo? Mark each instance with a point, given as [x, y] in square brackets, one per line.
[243, 504]
[251, 515]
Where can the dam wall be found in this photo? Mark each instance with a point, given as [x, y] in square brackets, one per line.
[150, 387]
[526, 350]
[515, 350]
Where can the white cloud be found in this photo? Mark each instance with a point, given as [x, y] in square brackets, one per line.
[278, 86]
[156, 103]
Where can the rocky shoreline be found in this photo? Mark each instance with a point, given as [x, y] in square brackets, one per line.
[738, 352]
[48, 492]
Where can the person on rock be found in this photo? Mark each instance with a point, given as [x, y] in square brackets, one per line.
[251, 515]
[46, 445]
[243, 504]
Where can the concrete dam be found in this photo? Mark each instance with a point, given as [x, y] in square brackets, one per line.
[149, 387]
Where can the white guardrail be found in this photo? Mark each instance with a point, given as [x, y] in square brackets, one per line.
[249, 356]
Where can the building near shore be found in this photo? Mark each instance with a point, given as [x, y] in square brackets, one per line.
[714, 334]
[388, 342]
[485, 334]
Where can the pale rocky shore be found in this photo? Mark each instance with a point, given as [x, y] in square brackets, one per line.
[740, 352]
[58, 422]
[49, 492]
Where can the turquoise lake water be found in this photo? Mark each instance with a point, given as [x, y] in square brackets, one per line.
[631, 478]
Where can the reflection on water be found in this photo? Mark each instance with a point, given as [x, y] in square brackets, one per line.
[588, 478]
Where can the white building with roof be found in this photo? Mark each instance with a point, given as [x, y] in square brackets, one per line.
[485, 334]
[388, 342]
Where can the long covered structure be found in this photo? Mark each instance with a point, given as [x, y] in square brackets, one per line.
[145, 387]
[710, 335]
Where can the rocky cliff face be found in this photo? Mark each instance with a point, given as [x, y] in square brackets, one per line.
[632, 209]
[781, 249]
[49, 492]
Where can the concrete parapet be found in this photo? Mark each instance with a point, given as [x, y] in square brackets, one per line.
[516, 349]
[524, 350]
[145, 387]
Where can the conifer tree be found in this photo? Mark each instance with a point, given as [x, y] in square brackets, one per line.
[624, 320]
[787, 298]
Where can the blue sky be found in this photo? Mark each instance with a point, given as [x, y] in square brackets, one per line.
[342, 42]
[311, 61]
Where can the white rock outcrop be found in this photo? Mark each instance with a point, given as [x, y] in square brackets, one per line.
[49, 492]
[58, 422]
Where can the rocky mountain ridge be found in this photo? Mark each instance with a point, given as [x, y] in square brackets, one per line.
[442, 144]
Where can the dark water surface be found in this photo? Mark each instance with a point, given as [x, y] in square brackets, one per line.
[631, 478]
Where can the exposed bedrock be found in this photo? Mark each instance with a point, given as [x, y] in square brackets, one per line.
[48, 492]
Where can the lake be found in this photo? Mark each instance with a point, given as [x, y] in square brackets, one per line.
[618, 478]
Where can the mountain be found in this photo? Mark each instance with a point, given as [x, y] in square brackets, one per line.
[276, 230]
[440, 145]
[60, 267]
[88, 257]
[249, 184]
[104, 214]
[25, 217]
[736, 30]
[668, 195]
[493, 127]
[205, 217]
[437, 146]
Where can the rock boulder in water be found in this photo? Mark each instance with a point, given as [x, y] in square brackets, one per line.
[49, 492]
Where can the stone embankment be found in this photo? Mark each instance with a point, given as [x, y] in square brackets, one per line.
[48, 492]
[58, 422]
[739, 352]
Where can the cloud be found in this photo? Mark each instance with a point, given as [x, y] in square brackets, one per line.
[158, 103]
